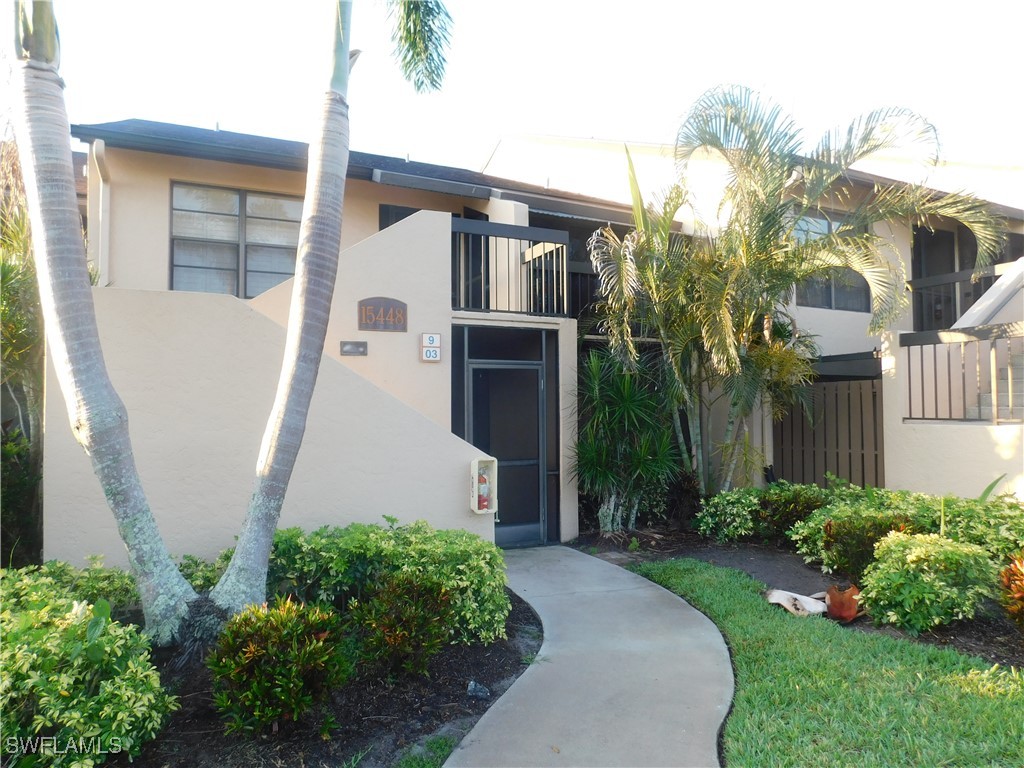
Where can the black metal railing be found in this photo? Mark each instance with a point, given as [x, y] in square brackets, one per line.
[969, 374]
[505, 268]
[941, 300]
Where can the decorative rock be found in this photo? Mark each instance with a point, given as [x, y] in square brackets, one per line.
[478, 691]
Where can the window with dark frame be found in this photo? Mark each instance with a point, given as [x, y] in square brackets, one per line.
[842, 289]
[232, 241]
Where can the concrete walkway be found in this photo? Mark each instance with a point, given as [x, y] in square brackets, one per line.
[628, 675]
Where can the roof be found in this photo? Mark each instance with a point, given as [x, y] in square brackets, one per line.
[266, 152]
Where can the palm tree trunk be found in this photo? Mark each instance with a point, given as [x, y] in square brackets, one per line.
[244, 582]
[98, 417]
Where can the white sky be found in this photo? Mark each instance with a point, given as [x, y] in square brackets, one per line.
[622, 71]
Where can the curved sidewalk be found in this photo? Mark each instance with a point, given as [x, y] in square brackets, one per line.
[628, 675]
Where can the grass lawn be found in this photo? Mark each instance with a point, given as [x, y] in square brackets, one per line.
[811, 693]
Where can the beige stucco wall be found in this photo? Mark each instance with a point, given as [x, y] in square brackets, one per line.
[409, 261]
[197, 373]
[959, 458]
[134, 207]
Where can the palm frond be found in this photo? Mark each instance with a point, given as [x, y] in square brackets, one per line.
[421, 37]
[838, 150]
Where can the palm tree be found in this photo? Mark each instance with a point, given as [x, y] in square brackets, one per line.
[420, 34]
[736, 275]
[98, 416]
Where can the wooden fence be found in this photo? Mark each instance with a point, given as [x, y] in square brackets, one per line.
[844, 436]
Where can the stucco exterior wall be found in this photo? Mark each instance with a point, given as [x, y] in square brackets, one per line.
[197, 373]
[135, 204]
[409, 261]
[959, 458]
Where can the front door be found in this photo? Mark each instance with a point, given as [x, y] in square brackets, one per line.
[505, 420]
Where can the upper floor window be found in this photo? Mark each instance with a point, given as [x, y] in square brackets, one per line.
[232, 241]
[842, 288]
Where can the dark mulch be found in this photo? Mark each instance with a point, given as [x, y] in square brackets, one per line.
[991, 635]
[384, 716]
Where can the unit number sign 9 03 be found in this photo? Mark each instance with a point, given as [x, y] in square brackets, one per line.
[430, 348]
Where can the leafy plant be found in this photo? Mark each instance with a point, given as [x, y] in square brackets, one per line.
[842, 535]
[1012, 581]
[73, 674]
[271, 663]
[57, 580]
[919, 581]
[729, 515]
[785, 504]
[202, 574]
[19, 528]
[335, 565]
[625, 445]
[404, 622]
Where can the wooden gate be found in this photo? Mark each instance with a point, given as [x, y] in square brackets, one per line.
[843, 437]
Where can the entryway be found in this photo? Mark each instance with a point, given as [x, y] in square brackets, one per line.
[505, 402]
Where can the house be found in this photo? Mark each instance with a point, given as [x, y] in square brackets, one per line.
[452, 341]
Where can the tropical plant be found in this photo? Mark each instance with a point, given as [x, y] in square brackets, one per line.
[920, 581]
[78, 686]
[98, 417]
[272, 663]
[21, 374]
[717, 301]
[624, 445]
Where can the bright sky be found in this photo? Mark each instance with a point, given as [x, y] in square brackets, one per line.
[620, 71]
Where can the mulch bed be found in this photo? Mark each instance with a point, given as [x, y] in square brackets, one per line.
[991, 635]
[384, 716]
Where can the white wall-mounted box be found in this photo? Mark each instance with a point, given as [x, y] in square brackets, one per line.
[483, 486]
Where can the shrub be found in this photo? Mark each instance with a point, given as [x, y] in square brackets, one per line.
[997, 525]
[20, 528]
[202, 574]
[1012, 581]
[921, 581]
[729, 515]
[335, 565]
[784, 504]
[842, 535]
[57, 580]
[76, 676]
[272, 663]
[404, 622]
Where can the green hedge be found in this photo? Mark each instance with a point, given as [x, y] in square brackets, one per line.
[77, 686]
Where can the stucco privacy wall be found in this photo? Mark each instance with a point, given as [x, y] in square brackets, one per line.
[959, 458]
[197, 373]
[409, 261]
[134, 230]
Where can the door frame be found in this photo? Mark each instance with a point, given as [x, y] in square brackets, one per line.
[520, 534]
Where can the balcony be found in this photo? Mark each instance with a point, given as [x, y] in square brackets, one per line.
[941, 300]
[505, 268]
[968, 375]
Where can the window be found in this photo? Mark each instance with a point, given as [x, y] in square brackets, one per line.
[232, 241]
[844, 288]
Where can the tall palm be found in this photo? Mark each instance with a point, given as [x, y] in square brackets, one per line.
[420, 35]
[741, 266]
[98, 416]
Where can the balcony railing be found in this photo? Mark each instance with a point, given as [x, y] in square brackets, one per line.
[505, 268]
[941, 300]
[970, 374]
